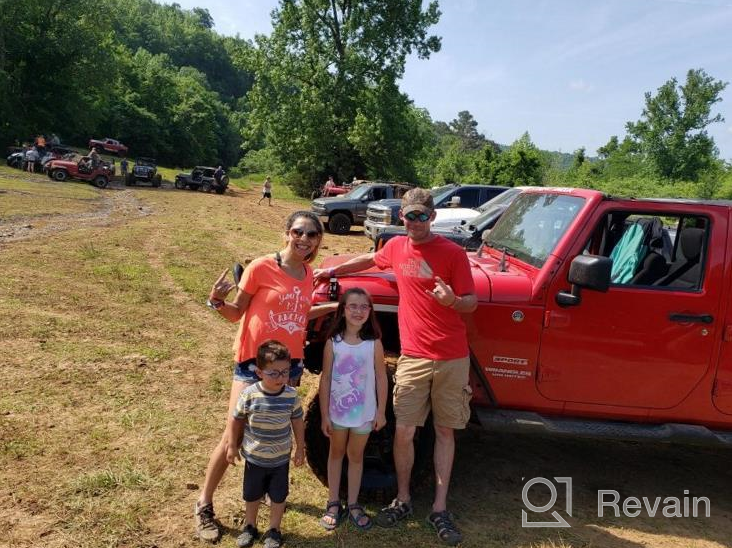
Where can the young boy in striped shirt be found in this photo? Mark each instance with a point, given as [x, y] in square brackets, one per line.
[266, 415]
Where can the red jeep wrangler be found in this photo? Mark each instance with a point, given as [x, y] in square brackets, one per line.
[597, 317]
[62, 170]
[111, 146]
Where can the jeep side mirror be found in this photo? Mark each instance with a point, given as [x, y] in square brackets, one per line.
[589, 272]
[454, 202]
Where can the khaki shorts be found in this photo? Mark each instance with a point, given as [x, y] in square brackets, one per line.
[441, 386]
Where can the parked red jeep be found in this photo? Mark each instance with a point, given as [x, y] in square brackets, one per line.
[597, 317]
[62, 170]
[111, 146]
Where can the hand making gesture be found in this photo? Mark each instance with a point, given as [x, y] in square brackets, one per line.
[442, 293]
[221, 288]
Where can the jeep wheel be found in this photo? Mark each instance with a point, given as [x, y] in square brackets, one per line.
[206, 187]
[180, 184]
[60, 175]
[157, 181]
[378, 482]
[220, 189]
[339, 223]
[100, 181]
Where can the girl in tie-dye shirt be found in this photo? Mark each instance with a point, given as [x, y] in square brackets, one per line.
[352, 399]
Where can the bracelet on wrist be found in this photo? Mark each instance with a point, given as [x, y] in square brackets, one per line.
[215, 304]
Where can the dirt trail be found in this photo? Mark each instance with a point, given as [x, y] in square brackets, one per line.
[112, 206]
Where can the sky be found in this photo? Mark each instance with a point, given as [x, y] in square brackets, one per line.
[570, 72]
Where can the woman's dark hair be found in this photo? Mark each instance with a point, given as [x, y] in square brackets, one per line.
[369, 330]
[313, 218]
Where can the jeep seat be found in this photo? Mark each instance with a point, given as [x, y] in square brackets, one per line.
[685, 271]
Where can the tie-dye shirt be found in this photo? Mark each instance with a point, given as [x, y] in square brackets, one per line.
[352, 385]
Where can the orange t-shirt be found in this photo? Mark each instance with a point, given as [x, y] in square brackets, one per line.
[277, 310]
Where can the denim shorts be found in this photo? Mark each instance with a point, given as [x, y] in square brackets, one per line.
[245, 371]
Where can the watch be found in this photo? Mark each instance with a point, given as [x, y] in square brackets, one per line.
[215, 305]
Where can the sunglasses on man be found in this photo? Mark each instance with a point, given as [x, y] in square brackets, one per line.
[422, 217]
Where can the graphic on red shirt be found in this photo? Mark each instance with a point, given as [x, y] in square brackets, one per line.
[427, 329]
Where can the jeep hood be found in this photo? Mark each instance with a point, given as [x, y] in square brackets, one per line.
[333, 201]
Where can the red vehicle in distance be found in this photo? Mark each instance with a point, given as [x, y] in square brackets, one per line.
[111, 146]
[63, 170]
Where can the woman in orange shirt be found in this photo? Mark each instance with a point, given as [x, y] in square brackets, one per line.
[273, 301]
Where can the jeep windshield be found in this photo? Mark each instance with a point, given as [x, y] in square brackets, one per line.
[533, 224]
[439, 193]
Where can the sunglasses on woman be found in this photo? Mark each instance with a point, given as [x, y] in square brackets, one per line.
[414, 216]
[299, 232]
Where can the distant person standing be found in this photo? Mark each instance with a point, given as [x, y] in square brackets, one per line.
[329, 185]
[123, 168]
[31, 157]
[266, 191]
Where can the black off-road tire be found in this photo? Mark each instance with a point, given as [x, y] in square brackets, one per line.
[157, 180]
[378, 483]
[100, 181]
[206, 187]
[60, 175]
[339, 223]
[180, 184]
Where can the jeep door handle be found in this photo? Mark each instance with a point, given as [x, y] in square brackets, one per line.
[691, 318]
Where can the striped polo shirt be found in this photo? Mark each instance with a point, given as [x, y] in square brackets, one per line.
[268, 431]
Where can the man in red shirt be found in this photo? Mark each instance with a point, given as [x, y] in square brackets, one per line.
[435, 288]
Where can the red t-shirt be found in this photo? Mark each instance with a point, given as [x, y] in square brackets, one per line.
[277, 310]
[428, 329]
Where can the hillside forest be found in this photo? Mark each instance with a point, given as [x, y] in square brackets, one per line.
[319, 96]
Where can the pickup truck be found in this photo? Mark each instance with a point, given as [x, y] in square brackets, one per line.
[468, 233]
[597, 317]
[111, 146]
[385, 213]
[339, 213]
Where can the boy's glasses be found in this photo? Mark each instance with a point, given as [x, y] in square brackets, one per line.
[414, 216]
[274, 374]
[353, 307]
[299, 233]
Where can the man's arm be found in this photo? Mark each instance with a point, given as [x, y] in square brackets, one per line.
[357, 264]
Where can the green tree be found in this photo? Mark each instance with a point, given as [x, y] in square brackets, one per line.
[465, 127]
[521, 164]
[320, 77]
[672, 133]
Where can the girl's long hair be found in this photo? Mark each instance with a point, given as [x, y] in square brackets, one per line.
[369, 330]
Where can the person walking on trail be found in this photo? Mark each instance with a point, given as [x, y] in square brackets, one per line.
[435, 287]
[273, 301]
[123, 168]
[266, 191]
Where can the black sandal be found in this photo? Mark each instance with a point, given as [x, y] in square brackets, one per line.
[392, 514]
[359, 516]
[446, 530]
[335, 516]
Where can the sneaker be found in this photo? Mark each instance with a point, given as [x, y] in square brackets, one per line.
[445, 527]
[248, 535]
[206, 527]
[273, 539]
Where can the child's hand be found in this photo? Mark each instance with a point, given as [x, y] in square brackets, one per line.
[232, 454]
[299, 457]
[379, 421]
[326, 426]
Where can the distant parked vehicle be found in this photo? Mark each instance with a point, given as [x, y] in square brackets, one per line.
[63, 170]
[145, 170]
[202, 177]
[111, 146]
